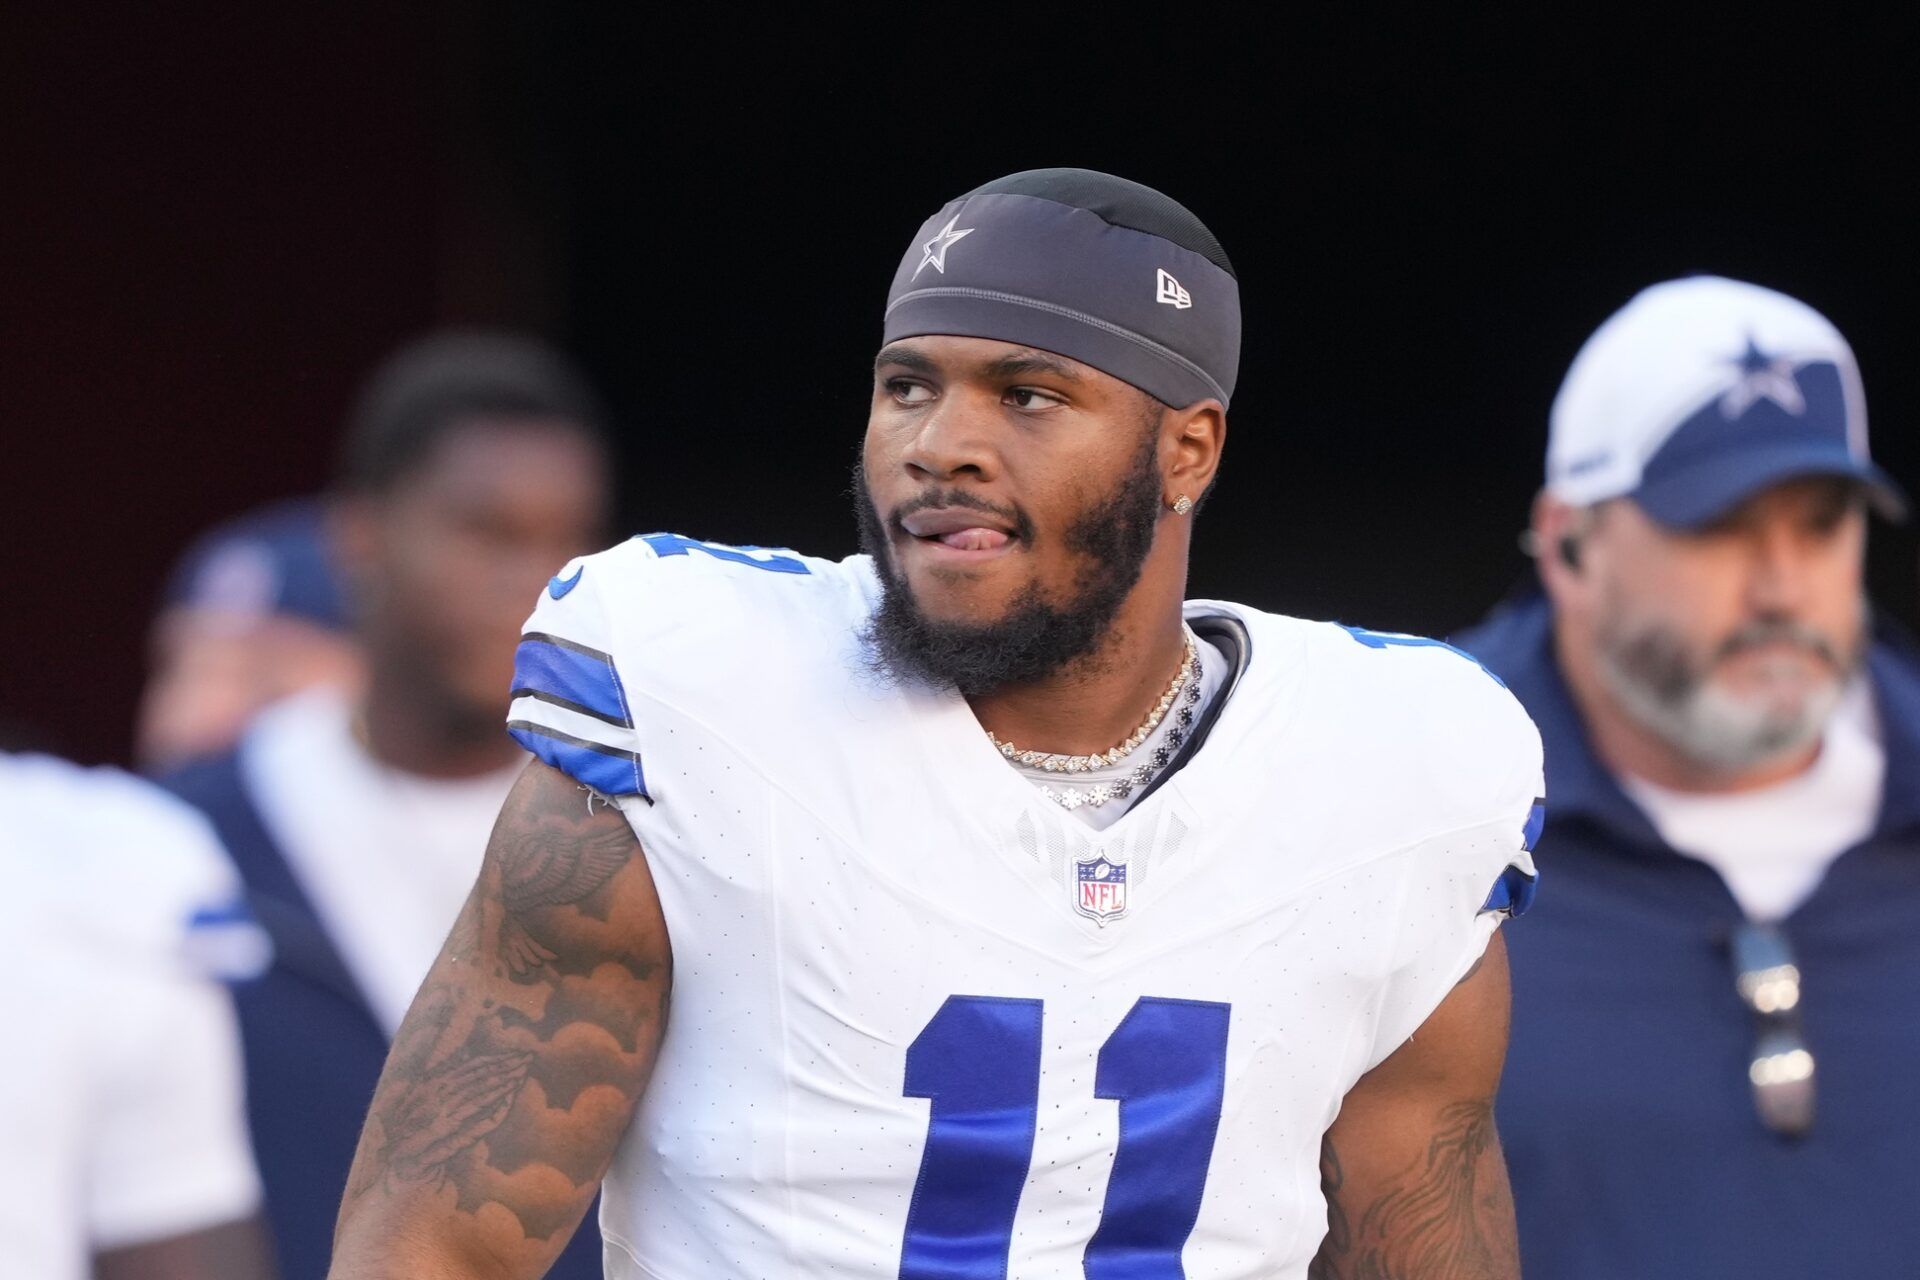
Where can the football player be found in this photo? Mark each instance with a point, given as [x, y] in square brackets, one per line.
[473, 461]
[122, 1115]
[1020, 917]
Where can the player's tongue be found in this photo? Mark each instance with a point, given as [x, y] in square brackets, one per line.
[955, 527]
[974, 539]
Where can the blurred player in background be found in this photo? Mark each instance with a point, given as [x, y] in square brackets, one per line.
[1716, 1010]
[123, 1143]
[254, 612]
[1024, 920]
[473, 464]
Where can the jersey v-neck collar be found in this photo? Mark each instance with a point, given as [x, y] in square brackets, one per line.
[1229, 635]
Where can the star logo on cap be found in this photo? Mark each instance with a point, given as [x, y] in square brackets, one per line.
[1762, 377]
[936, 248]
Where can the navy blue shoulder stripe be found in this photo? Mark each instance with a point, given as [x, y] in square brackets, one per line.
[556, 670]
[608, 770]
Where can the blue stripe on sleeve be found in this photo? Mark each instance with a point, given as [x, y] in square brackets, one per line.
[222, 941]
[569, 675]
[231, 912]
[607, 770]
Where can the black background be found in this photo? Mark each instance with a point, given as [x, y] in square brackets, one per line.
[217, 222]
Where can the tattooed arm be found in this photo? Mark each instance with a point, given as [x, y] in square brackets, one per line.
[519, 1065]
[1415, 1183]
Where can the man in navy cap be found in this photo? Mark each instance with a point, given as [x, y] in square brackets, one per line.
[253, 613]
[1715, 1021]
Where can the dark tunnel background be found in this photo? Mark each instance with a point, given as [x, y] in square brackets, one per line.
[216, 223]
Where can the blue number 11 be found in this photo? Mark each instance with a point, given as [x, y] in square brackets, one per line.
[978, 1062]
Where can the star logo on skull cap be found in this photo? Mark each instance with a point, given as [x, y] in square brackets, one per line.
[1762, 377]
[936, 248]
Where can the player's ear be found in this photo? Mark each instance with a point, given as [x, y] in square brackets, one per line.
[1191, 439]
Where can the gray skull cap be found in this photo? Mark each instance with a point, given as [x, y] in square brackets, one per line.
[1085, 265]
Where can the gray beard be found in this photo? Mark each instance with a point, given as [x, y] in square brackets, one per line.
[1653, 681]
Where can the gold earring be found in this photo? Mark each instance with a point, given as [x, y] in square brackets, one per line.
[1182, 505]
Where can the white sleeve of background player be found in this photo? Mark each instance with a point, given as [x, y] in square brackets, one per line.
[1458, 887]
[169, 1153]
[570, 707]
[134, 885]
[134, 872]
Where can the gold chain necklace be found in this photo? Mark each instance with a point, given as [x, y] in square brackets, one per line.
[1185, 680]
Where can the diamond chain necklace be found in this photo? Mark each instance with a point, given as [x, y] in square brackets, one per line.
[1179, 698]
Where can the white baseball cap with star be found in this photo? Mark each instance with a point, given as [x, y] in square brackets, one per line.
[1700, 393]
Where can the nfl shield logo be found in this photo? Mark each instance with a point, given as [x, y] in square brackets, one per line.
[1100, 889]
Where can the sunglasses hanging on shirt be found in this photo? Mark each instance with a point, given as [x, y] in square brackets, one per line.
[1782, 1069]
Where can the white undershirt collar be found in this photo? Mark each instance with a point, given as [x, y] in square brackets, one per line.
[385, 857]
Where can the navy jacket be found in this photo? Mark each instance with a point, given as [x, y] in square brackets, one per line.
[313, 1047]
[1626, 1110]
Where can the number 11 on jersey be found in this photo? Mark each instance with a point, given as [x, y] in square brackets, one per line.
[978, 1063]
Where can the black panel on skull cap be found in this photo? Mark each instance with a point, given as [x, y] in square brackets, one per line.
[1121, 202]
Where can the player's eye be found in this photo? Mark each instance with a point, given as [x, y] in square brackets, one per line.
[907, 391]
[1033, 398]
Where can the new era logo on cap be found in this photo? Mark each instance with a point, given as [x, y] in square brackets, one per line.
[1168, 290]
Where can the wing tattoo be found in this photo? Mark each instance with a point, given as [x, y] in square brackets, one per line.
[546, 877]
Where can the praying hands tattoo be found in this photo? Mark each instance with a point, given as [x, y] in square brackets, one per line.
[526, 1050]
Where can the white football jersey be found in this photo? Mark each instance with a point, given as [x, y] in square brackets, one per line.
[924, 1023]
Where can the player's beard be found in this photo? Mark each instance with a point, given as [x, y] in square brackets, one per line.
[1675, 696]
[1037, 636]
